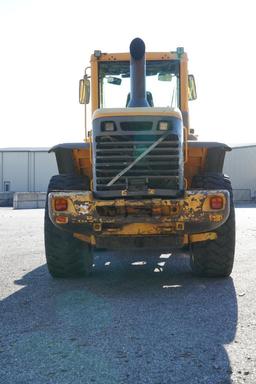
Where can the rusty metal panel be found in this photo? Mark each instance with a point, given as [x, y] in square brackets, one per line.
[149, 217]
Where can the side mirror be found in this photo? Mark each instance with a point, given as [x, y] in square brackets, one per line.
[84, 91]
[192, 95]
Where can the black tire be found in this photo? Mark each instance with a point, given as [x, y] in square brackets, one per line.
[215, 258]
[66, 256]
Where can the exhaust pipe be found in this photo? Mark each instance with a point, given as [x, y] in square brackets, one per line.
[138, 74]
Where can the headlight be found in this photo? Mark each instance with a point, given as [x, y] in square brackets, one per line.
[163, 126]
[108, 126]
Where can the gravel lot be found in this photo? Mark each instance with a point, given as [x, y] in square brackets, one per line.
[140, 318]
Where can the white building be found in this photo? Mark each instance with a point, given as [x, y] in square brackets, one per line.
[240, 165]
[26, 169]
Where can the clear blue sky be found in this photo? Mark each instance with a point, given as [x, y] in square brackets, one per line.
[46, 44]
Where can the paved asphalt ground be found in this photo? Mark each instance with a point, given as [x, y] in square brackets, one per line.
[140, 318]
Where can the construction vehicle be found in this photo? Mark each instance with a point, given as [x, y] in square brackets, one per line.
[140, 180]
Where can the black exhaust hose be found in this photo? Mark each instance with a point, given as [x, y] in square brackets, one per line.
[138, 74]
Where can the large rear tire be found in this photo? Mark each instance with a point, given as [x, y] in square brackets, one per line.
[215, 258]
[66, 256]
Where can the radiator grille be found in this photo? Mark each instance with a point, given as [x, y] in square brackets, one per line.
[158, 169]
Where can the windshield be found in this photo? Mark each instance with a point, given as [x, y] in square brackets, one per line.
[162, 83]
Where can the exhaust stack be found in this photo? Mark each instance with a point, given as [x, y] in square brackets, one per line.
[138, 74]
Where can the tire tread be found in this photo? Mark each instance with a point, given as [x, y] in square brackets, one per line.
[215, 258]
[66, 256]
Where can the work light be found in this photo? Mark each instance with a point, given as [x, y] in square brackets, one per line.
[108, 126]
[163, 126]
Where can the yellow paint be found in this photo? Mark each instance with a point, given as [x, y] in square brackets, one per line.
[88, 239]
[97, 227]
[216, 218]
[130, 217]
[83, 163]
[197, 237]
[184, 86]
[180, 226]
[202, 237]
[195, 162]
[125, 56]
[193, 204]
[185, 145]
[190, 206]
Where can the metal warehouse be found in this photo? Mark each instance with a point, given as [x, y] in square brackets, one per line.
[240, 165]
[26, 169]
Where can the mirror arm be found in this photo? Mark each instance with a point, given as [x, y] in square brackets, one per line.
[85, 121]
[85, 110]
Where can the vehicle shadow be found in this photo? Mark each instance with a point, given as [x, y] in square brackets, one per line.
[137, 319]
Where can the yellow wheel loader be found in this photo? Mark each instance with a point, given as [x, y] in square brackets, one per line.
[141, 179]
